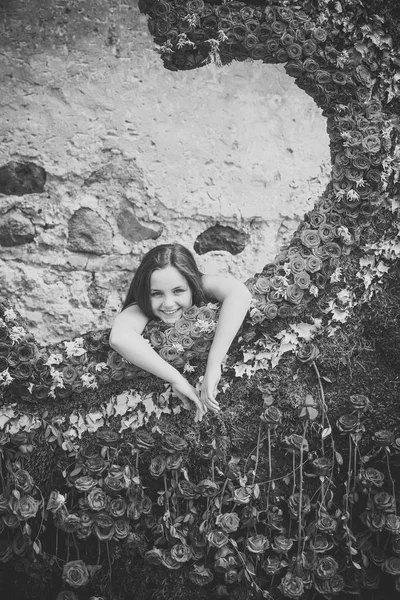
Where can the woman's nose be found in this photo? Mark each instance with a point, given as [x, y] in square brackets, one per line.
[168, 301]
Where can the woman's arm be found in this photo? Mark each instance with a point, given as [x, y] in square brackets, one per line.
[235, 299]
[126, 339]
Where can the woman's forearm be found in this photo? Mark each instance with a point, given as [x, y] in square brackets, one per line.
[232, 313]
[135, 349]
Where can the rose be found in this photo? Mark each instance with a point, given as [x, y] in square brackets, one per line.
[75, 573]
[359, 401]
[372, 144]
[374, 520]
[173, 462]
[217, 538]
[180, 552]
[187, 489]
[56, 501]
[370, 579]
[383, 437]
[291, 586]
[270, 310]
[144, 440]
[307, 352]
[326, 568]
[274, 519]
[334, 585]
[371, 476]
[392, 565]
[262, 285]
[5, 551]
[104, 526]
[322, 466]
[207, 488]
[97, 499]
[377, 556]
[153, 556]
[272, 416]
[147, 505]
[200, 575]
[107, 437]
[297, 264]
[294, 293]
[117, 507]
[169, 562]
[313, 264]
[303, 280]
[326, 523]
[134, 510]
[96, 464]
[10, 520]
[85, 483]
[221, 565]
[229, 522]
[24, 507]
[242, 495]
[396, 545]
[121, 529]
[257, 543]
[70, 523]
[231, 576]
[23, 481]
[282, 544]
[114, 485]
[271, 565]
[349, 424]
[294, 505]
[294, 443]
[385, 502]
[66, 595]
[20, 545]
[157, 466]
[320, 543]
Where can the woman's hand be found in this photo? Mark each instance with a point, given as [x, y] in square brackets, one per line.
[182, 388]
[209, 388]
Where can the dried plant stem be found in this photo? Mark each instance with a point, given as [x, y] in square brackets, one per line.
[301, 493]
[76, 547]
[390, 476]
[110, 568]
[323, 404]
[269, 467]
[257, 452]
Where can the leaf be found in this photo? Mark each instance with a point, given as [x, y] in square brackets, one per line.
[326, 432]
[37, 547]
[339, 458]
[256, 491]
[312, 413]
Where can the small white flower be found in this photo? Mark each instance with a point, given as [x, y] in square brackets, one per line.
[336, 275]
[9, 315]
[5, 378]
[89, 381]
[313, 290]
[74, 348]
[54, 359]
[188, 368]
[17, 333]
[178, 347]
[101, 366]
[57, 378]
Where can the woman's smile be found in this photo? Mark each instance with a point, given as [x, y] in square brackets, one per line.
[170, 294]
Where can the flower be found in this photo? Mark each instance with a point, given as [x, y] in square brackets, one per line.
[334, 585]
[377, 556]
[307, 352]
[229, 522]
[169, 562]
[85, 483]
[385, 502]
[327, 567]
[320, 543]
[114, 484]
[75, 573]
[326, 523]
[371, 579]
[322, 466]
[291, 586]
[217, 538]
[56, 501]
[5, 551]
[117, 507]
[97, 499]
[121, 529]
[282, 544]
[187, 489]
[349, 424]
[294, 293]
[272, 416]
[383, 437]
[107, 437]
[294, 505]
[144, 440]
[96, 464]
[24, 507]
[392, 565]
[70, 523]
[257, 543]
[173, 462]
[242, 495]
[359, 401]
[272, 565]
[371, 476]
[180, 552]
[104, 526]
[208, 488]
[157, 466]
[294, 443]
[173, 443]
[200, 575]
[66, 595]
[23, 481]
[374, 520]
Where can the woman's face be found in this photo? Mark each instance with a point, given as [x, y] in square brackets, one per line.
[170, 294]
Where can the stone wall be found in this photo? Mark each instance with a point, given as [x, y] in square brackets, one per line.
[104, 153]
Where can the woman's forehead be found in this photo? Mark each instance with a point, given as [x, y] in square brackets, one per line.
[168, 277]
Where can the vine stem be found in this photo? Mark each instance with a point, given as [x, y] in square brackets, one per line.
[269, 466]
[109, 564]
[257, 452]
[390, 477]
[301, 493]
[323, 404]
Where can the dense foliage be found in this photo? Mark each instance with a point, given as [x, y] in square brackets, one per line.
[107, 484]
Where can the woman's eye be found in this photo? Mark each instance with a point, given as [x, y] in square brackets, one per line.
[179, 291]
[154, 294]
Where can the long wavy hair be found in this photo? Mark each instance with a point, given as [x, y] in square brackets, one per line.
[164, 255]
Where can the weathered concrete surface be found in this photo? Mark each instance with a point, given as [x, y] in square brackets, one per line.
[85, 97]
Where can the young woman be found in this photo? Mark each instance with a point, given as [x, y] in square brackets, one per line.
[166, 283]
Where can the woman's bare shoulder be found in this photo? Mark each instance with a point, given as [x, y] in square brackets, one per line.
[132, 317]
